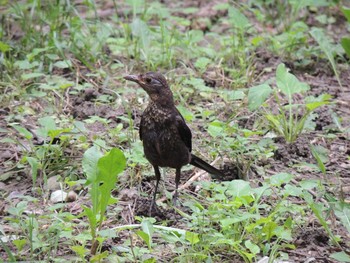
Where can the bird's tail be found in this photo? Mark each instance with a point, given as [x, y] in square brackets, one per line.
[198, 162]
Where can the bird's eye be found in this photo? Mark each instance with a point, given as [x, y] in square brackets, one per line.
[148, 80]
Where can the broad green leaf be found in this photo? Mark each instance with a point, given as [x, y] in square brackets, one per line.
[79, 127]
[32, 75]
[17, 210]
[292, 190]
[140, 29]
[288, 83]
[38, 93]
[202, 63]
[90, 160]
[19, 243]
[221, 6]
[252, 247]
[313, 103]
[145, 237]
[322, 152]
[112, 200]
[228, 221]
[190, 10]
[5, 176]
[340, 256]
[188, 115]
[99, 256]
[257, 40]
[63, 64]
[192, 237]
[82, 237]
[80, 250]
[37, 51]
[195, 36]
[237, 18]
[280, 178]
[342, 211]
[283, 233]
[239, 188]
[172, 237]
[109, 166]
[269, 229]
[346, 12]
[257, 96]
[230, 95]
[55, 133]
[4, 47]
[338, 122]
[326, 46]
[47, 124]
[25, 64]
[108, 233]
[147, 227]
[56, 82]
[309, 184]
[23, 131]
[136, 155]
[215, 128]
[92, 219]
[323, 19]
[53, 57]
[198, 84]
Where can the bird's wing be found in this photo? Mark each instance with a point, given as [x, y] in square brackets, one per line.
[184, 131]
[142, 123]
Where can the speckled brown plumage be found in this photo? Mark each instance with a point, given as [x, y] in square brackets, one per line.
[167, 140]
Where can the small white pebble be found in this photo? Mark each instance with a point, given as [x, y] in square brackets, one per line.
[58, 196]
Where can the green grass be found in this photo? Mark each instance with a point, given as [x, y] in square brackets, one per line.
[60, 59]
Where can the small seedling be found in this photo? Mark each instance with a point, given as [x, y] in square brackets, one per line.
[101, 172]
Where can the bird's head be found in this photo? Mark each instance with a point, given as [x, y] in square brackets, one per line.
[155, 85]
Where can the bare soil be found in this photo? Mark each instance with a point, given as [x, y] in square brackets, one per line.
[311, 241]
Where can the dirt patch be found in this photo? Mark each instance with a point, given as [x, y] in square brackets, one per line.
[313, 244]
[85, 105]
[295, 152]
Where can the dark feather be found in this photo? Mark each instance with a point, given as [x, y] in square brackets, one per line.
[184, 131]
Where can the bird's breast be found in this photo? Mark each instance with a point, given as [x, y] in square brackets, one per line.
[162, 142]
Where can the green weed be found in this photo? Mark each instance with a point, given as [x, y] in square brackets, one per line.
[345, 41]
[290, 120]
[52, 51]
[101, 171]
[329, 49]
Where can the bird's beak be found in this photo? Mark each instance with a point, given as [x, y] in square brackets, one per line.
[134, 78]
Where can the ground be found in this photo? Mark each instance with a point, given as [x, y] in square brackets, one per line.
[210, 78]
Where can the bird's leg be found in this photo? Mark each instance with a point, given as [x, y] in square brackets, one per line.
[177, 180]
[156, 171]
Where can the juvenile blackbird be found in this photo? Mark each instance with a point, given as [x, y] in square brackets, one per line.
[167, 140]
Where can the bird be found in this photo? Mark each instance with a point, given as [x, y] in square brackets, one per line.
[167, 140]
